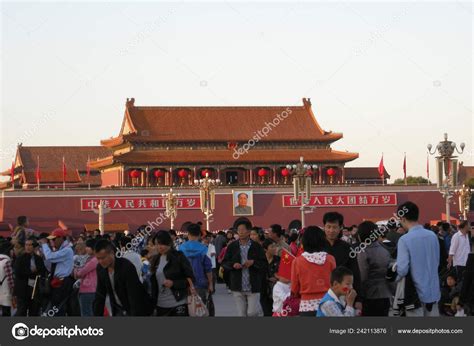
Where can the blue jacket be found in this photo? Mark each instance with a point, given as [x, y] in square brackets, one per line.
[196, 253]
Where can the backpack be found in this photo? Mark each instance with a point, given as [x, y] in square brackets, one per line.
[199, 264]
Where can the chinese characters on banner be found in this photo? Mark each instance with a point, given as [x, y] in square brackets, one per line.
[345, 200]
[138, 203]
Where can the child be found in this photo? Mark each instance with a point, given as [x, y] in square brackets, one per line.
[333, 303]
[450, 293]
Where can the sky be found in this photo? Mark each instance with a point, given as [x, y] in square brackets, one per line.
[391, 76]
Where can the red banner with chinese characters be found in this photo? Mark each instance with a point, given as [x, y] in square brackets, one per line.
[345, 200]
[138, 203]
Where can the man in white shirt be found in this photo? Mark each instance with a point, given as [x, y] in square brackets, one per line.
[459, 249]
[211, 253]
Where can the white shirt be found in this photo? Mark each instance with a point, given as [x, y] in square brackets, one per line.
[211, 249]
[460, 248]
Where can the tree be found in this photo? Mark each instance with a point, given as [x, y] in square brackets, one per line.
[412, 181]
[470, 183]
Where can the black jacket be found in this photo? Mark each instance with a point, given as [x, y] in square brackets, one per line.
[467, 289]
[178, 269]
[22, 272]
[342, 253]
[256, 271]
[134, 299]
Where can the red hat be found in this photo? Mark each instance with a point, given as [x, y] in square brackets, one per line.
[58, 232]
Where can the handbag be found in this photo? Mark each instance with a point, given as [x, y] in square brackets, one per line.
[196, 307]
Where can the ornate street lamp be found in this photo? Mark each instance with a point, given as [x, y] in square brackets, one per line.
[302, 186]
[465, 194]
[447, 169]
[101, 212]
[207, 196]
[171, 206]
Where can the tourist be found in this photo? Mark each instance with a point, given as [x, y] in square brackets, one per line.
[392, 235]
[450, 292]
[332, 304]
[373, 262]
[257, 235]
[219, 243]
[333, 223]
[311, 271]
[20, 234]
[196, 253]
[212, 254]
[460, 248]
[269, 277]
[88, 279]
[418, 254]
[6, 273]
[277, 235]
[293, 241]
[60, 264]
[246, 262]
[466, 298]
[28, 269]
[171, 276]
[117, 279]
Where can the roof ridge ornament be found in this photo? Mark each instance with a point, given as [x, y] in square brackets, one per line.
[307, 102]
[130, 102]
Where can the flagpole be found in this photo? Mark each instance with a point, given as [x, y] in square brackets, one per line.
[37, 174]
[12, 173]
[64, 177]
[405, 168]
[89, 172]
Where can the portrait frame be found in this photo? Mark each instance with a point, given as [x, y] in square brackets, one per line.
[236, 209]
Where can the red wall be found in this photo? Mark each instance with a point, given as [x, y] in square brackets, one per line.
[45, 208]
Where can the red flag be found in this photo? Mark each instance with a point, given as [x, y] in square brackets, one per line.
[64, 170]
[38, 172]
[284, 270]
[88, 169]
[12, 173]
[381, 168]
[405, 167]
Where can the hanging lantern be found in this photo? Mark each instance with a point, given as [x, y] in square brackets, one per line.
[134, 174]
[262, 172]
[331, 172]
[285, 172]
[159, 173]
[204, 172]
[182, 173]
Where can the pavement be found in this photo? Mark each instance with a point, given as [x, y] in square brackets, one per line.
[224, 302]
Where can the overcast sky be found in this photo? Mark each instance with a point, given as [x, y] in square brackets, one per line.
[391, 76]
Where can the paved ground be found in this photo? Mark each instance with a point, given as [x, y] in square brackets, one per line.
[223, 302]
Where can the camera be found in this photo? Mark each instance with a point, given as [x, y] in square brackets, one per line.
[21, 332]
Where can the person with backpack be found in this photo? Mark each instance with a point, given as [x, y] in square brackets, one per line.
[196, 253]
[6, 279]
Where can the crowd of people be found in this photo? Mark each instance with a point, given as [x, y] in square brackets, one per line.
[399, 268]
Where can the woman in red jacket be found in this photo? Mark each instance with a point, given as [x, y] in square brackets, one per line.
[311, 271]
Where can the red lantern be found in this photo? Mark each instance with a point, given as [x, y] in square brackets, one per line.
[204, 172]
[331, 172]
[159, 173]
[262, 172]
[182, 173]
[134, 174]
[285, 172]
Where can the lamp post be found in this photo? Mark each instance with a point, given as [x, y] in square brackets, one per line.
[207, 196]
[302, 186]
[465, 194]
[171, 204]
[447, 169]
[102, 211]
